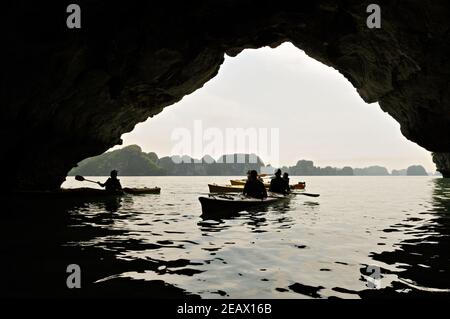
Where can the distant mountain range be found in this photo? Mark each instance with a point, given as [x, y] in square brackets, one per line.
[132, 161]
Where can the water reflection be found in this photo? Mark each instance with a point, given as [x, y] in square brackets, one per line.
[258, 220]
[113, 205]
[41, 238]
[421, 265]
[142, 246]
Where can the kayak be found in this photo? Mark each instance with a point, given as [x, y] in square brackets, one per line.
[101, 192]
[238, 181]
[299, 185]
[87, 192]
[235, 203]
[142, 191]
[214, 188]
[241, 182]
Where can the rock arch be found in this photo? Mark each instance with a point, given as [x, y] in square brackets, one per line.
[70, 94]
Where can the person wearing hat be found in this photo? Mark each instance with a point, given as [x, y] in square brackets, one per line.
[278, 184]
[112, 184]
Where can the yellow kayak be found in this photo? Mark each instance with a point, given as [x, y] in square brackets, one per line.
[214, 188]
[241, 182]
[238, 181]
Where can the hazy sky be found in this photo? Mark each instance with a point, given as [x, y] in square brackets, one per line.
[319, 114]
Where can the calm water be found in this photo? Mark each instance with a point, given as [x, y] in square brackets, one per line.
[307, 247]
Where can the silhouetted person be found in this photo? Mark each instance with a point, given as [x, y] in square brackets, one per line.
[286, 180]
[254, 187]
[278, 185]
[112, 184]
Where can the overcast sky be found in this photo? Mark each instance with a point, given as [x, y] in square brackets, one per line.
[319, 114]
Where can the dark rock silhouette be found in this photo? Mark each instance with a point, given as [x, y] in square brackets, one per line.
[70, 94]
[442, 161]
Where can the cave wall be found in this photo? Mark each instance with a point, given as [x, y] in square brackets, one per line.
[70, 94]
[442, 161]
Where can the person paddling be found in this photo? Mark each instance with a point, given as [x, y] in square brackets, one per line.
[278, 184]
[286, 180]
[254, 187]
[112, 184]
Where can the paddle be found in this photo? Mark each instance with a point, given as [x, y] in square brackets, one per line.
[82, 179]
[307, 194]
[272, 195]
[219, 194]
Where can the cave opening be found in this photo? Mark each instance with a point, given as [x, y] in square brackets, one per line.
[319, 114]
[71, 95]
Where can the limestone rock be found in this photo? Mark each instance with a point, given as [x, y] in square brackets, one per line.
[442, 161]
[70, 94]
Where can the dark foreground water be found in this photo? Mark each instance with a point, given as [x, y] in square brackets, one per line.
[364, 237]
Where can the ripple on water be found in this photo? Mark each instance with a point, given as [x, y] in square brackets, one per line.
[301, 249]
